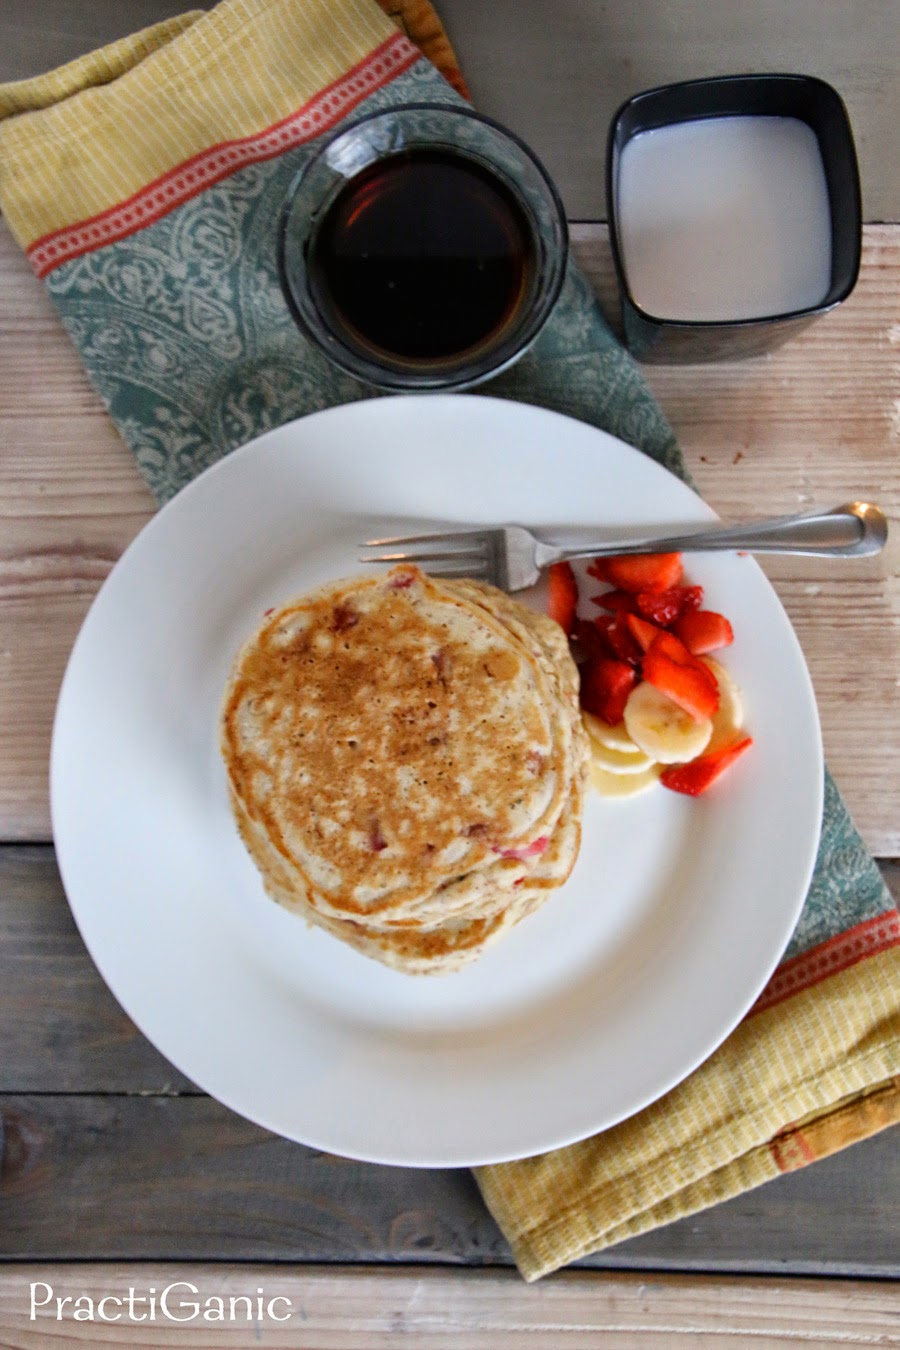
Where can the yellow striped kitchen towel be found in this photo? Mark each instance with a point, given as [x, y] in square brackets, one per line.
[143, 181]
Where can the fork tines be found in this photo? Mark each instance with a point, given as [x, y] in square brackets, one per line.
[463, 553]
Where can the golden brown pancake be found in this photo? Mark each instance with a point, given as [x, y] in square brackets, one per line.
[406, 762]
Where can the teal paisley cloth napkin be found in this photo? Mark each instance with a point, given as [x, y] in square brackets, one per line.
[144, 182]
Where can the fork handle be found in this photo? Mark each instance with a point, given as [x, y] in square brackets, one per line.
[853, 530]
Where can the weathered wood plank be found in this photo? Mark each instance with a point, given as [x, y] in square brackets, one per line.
[814, 422]
[182, 1178]
[148, 1178]
[61, 1030]
[557, 76]
[378, 1309]
[133, 1176]
[71, 500]
[155, 1176]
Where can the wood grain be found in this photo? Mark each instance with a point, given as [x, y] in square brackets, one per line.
[61, 1030]
[813, 423]
[95, 1123]
[105, 1150]
[379, 1309]
[89, 1177]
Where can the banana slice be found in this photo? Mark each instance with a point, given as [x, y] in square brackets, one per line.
[729, 718]
[614, 761]
[665, 732]
[622, 784]
[613, 738]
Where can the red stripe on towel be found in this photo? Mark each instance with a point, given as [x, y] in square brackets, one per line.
[829, 958]
[178, 185]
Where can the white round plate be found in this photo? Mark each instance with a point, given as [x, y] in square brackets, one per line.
[628, 977]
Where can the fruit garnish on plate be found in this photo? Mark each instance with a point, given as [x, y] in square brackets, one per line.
[562, 600]
[657, 706]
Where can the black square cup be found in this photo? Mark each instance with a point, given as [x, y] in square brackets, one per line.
[804, 97]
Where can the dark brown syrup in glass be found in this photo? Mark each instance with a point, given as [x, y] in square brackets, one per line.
[424, 258]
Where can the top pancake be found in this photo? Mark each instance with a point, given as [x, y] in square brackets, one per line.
[386, 736]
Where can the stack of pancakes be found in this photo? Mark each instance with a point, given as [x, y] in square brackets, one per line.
[406, 763]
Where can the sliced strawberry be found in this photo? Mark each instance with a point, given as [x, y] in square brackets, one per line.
[616, 601]
[687, 683]
[675, 648]
[703, 630]
[644, 633]
[601, 626]
[622, 641]
[588, 640]
[605, 686]
[563, 595]
[664, 607]
[696, 777]
[617, 639]
[643, 571]
[691, 598]
[660, 607]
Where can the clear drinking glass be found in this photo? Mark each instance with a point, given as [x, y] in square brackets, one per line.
[422, 248]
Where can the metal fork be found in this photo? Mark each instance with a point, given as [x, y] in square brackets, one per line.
[512, 557]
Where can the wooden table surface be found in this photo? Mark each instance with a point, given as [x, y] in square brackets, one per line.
[108, 1155]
